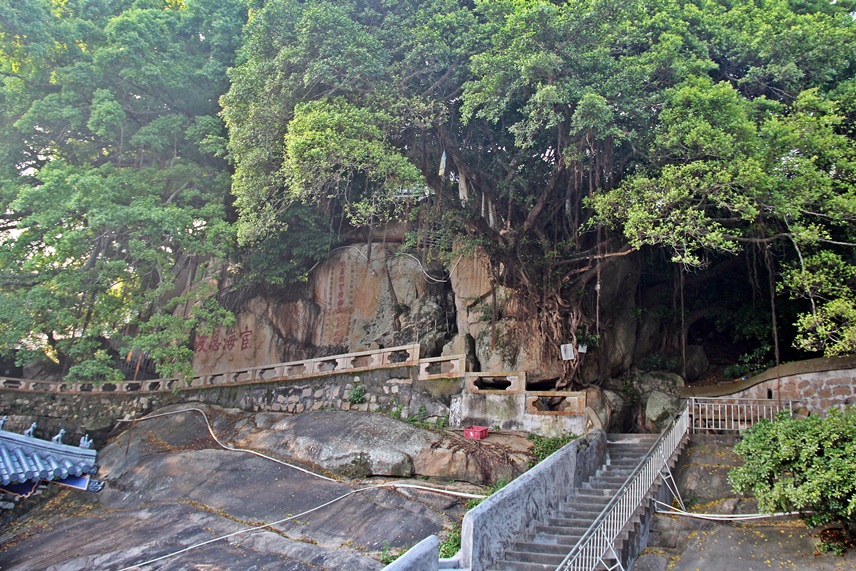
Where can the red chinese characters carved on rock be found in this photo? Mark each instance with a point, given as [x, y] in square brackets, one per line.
[227, 341]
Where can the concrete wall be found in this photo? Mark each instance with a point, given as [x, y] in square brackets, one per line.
[505, 411]
[424, 556]
[500, 520]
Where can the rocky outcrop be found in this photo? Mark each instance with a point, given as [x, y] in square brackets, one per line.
[361, 445]
[364, 297]
[360, 298]
[660, 394]
[169, 486]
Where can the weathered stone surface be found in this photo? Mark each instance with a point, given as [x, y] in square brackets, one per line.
[362, 445]
[357, 299]
[660, 409]
[662, 381]
[170, 486]
[502, 342]
[697, 362]
[597, 401]
[353, 445]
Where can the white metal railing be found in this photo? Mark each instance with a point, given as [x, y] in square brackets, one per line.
[725, 414]
[598, 544]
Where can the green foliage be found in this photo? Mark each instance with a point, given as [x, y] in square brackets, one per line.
[750, 363]
[388, 554]
[705, 129]
[357, 395]
[567, 130]
[283, 255]
[657, 362]
[395, 411]
[803, 465]
[489, 491]
[542, 447]
[630, 391]
[418, 419]
[112, 195]
[97, 370]
[452, 543]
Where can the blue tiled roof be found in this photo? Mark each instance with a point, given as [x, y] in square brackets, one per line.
[25, 458]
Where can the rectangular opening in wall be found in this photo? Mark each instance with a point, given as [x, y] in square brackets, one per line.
[154, 386]
[401, 356]
[296, 369]
[492, 383]
[555, 404]
[327, 366]
[132, 387]
[266, 374]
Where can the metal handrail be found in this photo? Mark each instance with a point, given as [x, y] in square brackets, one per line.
[599, 540]
[724, 414]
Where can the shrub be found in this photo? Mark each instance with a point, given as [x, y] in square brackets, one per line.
[543, 447]
[805, 465]
[357, 395]
[656, 362]
[451, 544]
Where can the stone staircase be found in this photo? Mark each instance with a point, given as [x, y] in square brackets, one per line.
[552, 538]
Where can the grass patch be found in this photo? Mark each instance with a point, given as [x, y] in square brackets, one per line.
[543, 447]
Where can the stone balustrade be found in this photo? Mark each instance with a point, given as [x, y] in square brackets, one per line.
[393, 357]
[442, 367]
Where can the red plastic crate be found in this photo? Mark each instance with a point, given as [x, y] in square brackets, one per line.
[475, 432]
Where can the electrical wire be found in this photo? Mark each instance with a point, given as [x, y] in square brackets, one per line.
[231, 448]
[393, 485]
[671, 510]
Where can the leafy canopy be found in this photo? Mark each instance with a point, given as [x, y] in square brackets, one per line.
[803, 465]
[112, 183]
[569, 134]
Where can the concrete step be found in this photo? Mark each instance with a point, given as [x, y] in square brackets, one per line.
[569, 530]
[504, 565]
[544, 538]
[538, 547]
[535, 557]
[585, 504]
[579, 513]
[569, 522]
[555, 535]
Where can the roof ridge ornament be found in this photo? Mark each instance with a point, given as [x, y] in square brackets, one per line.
[30, 431]
[86, 442]
[58, 438]
[3, 421]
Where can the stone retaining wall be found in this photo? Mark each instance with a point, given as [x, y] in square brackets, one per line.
[96, 413]
[816, 385]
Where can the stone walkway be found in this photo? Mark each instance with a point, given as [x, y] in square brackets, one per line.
[756, 547]
[685, 544]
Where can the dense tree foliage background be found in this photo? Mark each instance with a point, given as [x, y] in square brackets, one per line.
[558, 136]
[114, 184]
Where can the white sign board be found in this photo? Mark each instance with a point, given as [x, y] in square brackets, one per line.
[568, 352]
